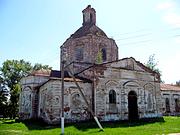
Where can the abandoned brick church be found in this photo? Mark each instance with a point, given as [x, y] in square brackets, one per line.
[116, 89]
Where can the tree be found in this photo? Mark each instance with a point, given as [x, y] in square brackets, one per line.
[38, 66]
[13, 70]
[3, 92]
[3, 99]
[3, 95]
[13, 105]
[152, 64]
[99, 59]
[10, 73]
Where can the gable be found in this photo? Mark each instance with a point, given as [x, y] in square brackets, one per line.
[130, 64]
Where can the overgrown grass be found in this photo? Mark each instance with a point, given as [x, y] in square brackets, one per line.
[142, 127]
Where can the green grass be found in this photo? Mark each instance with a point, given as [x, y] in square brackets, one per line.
[152, 127]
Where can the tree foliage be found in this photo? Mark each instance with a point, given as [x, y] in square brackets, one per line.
[3, 94]
[10, 74]
[99, 59]
[38, 66]
[152, 64]
[178, 83]
[13, 70]
[3, 99]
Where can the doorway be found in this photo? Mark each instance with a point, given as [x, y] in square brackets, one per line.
[132, 106]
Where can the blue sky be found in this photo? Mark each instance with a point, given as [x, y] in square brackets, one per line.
[33, 30]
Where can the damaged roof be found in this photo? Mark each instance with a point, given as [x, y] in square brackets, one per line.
[139, 63]
[67, 77]
[57, 74]
[41, 72]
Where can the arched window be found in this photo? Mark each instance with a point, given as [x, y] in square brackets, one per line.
[167, 105]
[29, 97]
[112, 97]
[79, 53]
[91, 18]
[83, 18]
[104, 58]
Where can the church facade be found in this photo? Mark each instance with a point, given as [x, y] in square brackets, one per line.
[116, 89]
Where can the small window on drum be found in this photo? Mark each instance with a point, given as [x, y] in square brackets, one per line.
[91, 18]
[112, 97]
[104, 57]
[79, 53]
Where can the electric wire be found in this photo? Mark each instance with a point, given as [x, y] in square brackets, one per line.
[137, 39]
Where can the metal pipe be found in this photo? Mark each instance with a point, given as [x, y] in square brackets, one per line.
[62, 92]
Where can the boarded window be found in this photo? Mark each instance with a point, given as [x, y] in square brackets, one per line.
[79, 53]
[167, 105]
[112, 97]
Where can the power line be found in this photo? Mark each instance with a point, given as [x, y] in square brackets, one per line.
[144, 34]
[137, 36]
[176, 36]
[148, 40]
[133, 32]
[155, 38]
[138, 42]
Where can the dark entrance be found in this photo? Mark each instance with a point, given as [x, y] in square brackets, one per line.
[132, 106]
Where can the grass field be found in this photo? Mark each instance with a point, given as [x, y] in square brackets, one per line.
[154, 127]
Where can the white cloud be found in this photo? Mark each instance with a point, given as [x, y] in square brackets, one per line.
[177, 39]
[165, 5]
[170, 13]
[170, 65]
[172, 19]
[170, 69]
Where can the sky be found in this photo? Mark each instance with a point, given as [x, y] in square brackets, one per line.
[34, 30]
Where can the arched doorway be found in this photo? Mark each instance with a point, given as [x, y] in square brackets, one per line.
[132, 106]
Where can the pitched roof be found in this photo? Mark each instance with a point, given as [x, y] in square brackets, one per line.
[169, 87]
[138, 62]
